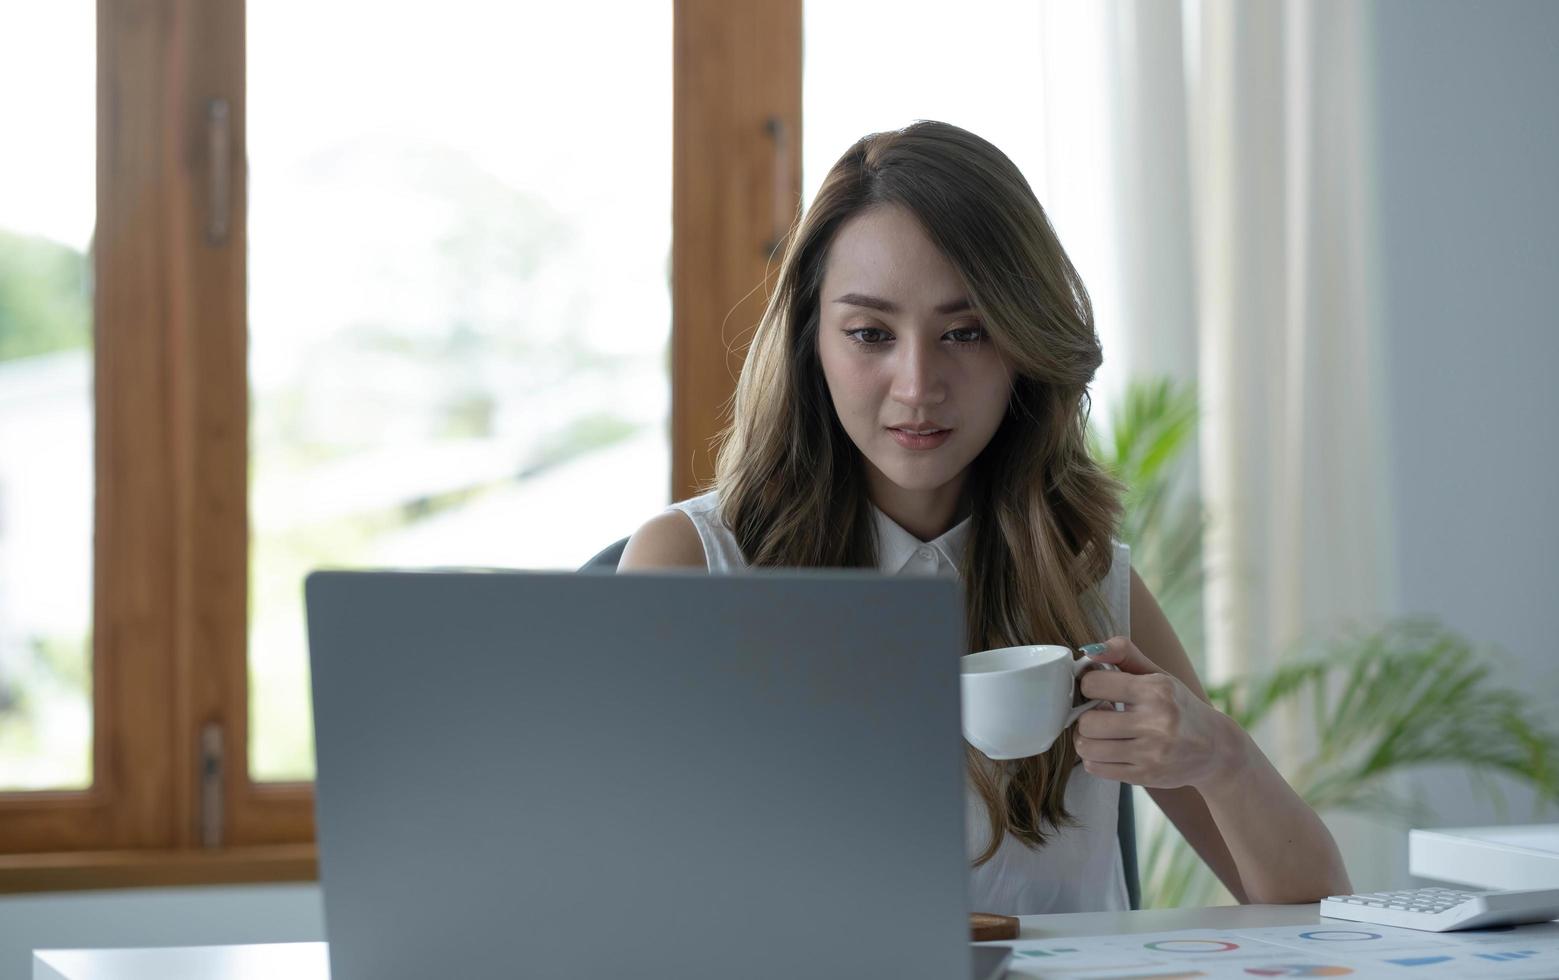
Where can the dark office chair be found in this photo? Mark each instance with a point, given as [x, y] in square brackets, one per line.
[1125, 820]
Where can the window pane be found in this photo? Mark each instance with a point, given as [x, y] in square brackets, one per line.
[47, 208]
[459, 301]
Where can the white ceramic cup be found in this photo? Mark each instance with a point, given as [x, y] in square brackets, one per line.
[1018, 700]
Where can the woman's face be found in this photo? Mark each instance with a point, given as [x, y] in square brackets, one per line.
[917, 382]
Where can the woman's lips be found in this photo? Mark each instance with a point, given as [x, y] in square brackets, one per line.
[914, 440]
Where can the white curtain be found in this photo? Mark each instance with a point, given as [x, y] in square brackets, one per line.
[1244, 260]
[1289, 360]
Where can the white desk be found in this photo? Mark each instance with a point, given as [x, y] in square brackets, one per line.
[307, 961]
[296, 961]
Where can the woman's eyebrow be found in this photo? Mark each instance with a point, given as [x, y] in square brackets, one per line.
[882, 305]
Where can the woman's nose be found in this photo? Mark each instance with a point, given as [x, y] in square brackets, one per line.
[917, 377]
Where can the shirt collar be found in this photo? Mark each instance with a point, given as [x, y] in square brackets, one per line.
[896, 546]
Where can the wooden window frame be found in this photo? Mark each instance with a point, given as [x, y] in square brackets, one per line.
[170, 577]
[736, 188]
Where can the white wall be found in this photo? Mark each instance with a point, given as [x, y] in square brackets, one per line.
[1468, 154]
[155, 917]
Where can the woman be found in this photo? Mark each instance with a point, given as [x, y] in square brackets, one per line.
[915, 400]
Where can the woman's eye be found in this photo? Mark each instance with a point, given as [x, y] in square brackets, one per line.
[867, 336]
[967, 335]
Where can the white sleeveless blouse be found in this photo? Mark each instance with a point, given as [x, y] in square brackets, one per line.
[1079, 868]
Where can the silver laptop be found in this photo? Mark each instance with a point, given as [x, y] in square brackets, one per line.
[580, 775]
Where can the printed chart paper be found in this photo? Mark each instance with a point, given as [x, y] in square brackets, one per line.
[1334, 948]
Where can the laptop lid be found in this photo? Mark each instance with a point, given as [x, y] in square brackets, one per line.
[669, 775]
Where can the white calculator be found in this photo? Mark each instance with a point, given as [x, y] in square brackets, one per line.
[1444, 909]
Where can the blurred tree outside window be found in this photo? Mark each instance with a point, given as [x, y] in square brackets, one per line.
[47, 181]
[459, 306]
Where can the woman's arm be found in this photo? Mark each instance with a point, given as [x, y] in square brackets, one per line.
[1204, 771]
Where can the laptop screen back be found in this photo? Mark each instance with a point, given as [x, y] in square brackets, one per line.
[670, 775]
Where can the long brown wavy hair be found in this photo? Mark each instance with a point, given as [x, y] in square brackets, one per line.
[792, 484]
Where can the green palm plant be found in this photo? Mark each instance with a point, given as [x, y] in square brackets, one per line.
[1146, 451]
[1410, 693]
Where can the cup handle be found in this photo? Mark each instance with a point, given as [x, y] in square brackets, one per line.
[1081, 666]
